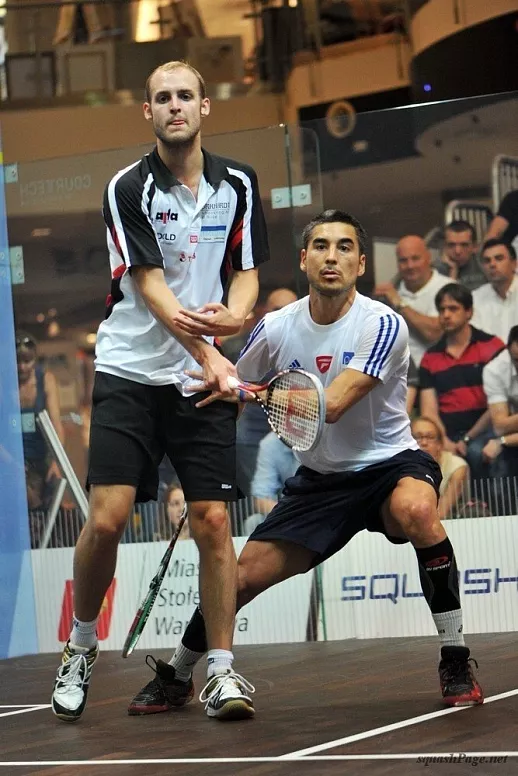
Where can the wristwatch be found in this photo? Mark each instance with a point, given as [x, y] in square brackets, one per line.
[466, 439]
[502, 441]
[400, 306]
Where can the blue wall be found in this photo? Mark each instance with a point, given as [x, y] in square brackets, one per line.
[17, 614]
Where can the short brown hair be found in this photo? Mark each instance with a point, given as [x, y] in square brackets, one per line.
[168, 67]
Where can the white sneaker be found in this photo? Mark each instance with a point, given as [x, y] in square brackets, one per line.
[72, 683]
[225, 697]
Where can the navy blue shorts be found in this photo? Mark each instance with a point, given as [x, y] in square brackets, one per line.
[322, 512]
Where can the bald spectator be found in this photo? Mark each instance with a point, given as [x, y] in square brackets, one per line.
[460, 260]
[279, 298]
[414, 297]
[495, 304]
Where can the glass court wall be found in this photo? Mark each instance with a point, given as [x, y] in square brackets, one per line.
[401, 171]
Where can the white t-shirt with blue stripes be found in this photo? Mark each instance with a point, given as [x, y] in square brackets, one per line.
[370, 338]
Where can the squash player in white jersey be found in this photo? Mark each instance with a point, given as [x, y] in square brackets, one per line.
[367, 472]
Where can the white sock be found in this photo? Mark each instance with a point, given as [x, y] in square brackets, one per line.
[219, 662]
[183, 662]
[449, 628]
[84, 634]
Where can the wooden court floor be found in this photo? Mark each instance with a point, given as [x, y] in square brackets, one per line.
[360, 702]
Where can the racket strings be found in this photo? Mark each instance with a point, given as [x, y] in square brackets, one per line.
[294, 409]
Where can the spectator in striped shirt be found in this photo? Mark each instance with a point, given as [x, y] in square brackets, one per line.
[450, 379]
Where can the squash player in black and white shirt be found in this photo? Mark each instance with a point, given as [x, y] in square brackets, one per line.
[180, 223]
[367, 472]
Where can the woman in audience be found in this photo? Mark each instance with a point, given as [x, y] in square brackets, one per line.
[455, 470]
[170, 512]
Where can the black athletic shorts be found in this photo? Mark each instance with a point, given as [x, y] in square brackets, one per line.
[323, 512]
[134, 425]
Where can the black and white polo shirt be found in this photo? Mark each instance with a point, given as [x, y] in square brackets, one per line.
[154, 220]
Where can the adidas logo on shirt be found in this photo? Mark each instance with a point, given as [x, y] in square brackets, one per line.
[294, 364]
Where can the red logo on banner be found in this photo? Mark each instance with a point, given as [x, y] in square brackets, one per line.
[323, 363]
[67, 609]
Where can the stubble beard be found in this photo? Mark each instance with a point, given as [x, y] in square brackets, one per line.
[173, 143]
[330, 293]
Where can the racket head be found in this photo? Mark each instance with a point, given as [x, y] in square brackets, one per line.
[144, 610]
[296, 408]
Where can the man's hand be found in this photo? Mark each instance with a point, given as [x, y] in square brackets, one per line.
[454, 269]
[216, 370]
[461, 448]
[388, 291]
[213, 319]
[449, 446]
[491, 450]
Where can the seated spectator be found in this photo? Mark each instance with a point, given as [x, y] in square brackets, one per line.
[504, 225]
[460, 260]
[414, 298]
[253, 424]
[501, 386]
[450, 379]
[454, 469]
[275, 463]
[495, 304]
[170, 512]
[38, 391]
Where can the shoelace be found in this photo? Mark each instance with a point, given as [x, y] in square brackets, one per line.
[70, 672]
[460, 669]
[152, 667]
[219, 681]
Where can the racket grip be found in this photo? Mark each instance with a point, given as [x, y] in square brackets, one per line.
[233, 382]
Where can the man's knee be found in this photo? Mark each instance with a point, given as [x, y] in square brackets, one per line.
[207, 518]
[415, 512]
[109, 511]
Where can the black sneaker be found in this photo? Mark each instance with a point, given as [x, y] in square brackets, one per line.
[162, 693]
[72, 683]
[458, 683]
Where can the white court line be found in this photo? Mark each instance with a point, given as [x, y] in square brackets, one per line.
[395, 726]
[24, 706]
[230, 760]
[24, 710]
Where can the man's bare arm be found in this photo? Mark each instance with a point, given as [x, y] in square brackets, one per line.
[427, 326]
[496, 228]
[164, 306]
[345, 391]
[214, 319]
[503, 422]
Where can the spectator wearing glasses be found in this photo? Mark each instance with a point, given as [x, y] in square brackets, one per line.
[495, 304]
[450, 378]
[459, 260]
[454, 469]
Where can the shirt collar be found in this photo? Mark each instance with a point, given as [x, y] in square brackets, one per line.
[476, 335]
[214, 170]
[403, 288]
[511, 290]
